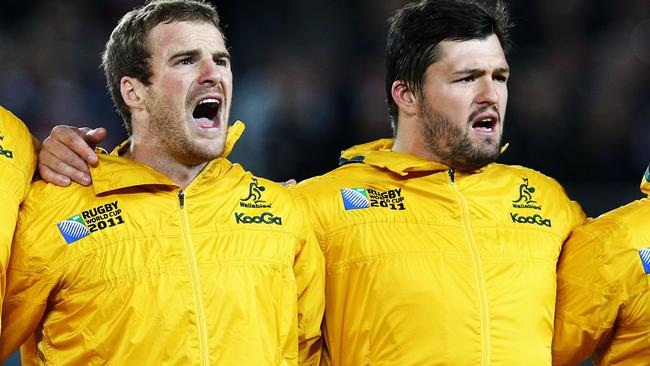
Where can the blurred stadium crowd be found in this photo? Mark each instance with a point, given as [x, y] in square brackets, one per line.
[309, 83]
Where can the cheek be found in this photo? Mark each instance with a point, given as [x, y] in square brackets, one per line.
[457, 104]
[227, 79]
[449, 99]
[504, 100]
[173, 85]
[503, 93]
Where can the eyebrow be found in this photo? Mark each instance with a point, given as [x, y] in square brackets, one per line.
[500, 70]
[196, 52]
[222, 54]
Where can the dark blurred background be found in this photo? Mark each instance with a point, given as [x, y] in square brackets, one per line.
[309, 83]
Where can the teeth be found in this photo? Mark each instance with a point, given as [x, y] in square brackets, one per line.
[209, 100]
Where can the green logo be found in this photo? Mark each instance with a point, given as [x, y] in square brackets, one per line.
[254, 197]
[535, 219]
[525, 193]
[525, 199]
[265, 218]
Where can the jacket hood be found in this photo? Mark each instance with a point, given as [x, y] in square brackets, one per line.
[132, 173]
[233, 134]
[379, 154]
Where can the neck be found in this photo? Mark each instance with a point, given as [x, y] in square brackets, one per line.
[164, 162]
[409, 139]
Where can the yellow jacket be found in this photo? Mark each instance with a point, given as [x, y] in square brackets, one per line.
[17, 163]
[135, 271]
[603, 300]
[425, 266]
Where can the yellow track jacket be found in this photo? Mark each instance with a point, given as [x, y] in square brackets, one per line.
[426, 266]
[135, 271]
[17, 163]
[603, 300]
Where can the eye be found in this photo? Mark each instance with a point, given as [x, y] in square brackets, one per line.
[500, 78]
[221, 62]
[185, 61]
[467, 79]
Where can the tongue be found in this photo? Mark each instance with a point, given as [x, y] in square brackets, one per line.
[204, 122]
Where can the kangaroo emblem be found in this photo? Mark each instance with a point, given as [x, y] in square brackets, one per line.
[526, 193]
[254, 192]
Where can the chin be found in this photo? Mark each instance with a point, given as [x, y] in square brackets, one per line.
[213, 154]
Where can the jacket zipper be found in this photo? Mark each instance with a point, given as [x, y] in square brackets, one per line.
[203, 334]
[478, 269]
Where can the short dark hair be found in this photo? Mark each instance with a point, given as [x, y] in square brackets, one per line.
[416, 30]
[127, 51]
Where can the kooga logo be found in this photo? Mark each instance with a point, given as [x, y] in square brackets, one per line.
[535, 219]
[265, 218]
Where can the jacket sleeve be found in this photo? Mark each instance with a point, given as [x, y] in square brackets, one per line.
[10, 202]
[17, 163]
[29, 284]
[309, 269]
[587, 299]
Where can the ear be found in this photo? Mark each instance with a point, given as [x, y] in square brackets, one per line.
[132, 91]
[405, 99]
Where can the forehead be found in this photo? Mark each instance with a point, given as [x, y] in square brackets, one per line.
[167, 38]
[472, 54]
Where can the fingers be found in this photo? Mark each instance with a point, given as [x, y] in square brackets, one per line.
[56, 171]
[81, 141]
[93, 138]
[66, 144]
[50, 176]
[65, 153]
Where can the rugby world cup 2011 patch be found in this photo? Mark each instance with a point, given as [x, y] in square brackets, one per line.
[73, 229]
[98, 218]
[355, 198]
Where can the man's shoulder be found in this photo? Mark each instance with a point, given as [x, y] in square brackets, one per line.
[254, 184]
[628, 221]
[339, 177]
[519, 170]
[9, 123]
[255, 195]
[518, 173]
[531, 189]
[48, 199]
[43, 217]
[17, 146]
[616, 246]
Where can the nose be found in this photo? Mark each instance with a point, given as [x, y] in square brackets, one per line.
[210, 73]
[488, 93]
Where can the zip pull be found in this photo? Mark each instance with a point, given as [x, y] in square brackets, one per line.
[451, 174]
[181, 198]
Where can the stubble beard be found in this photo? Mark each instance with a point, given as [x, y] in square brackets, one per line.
[168, 125]
[453, 146]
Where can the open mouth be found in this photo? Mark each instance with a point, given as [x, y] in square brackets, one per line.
[486, 125]
[206, 112]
